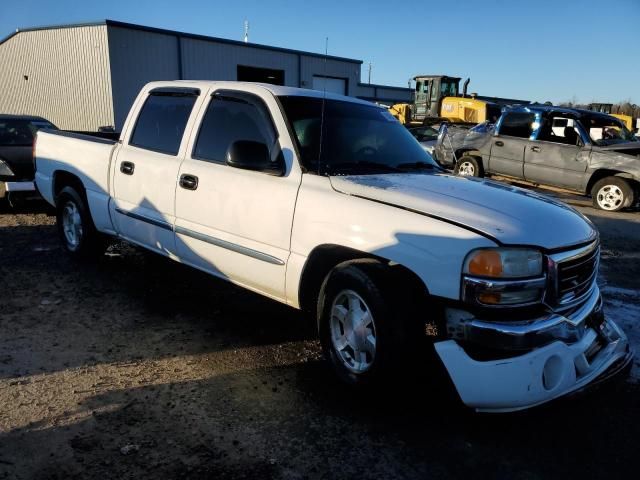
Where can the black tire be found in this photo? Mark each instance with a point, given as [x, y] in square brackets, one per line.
[395, 330]
[612, 194]
[89, 242]
[469, 166]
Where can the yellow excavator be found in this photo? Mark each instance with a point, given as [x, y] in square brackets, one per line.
[437, 98]
[631, 123]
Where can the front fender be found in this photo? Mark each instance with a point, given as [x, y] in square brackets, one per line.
[432, 249]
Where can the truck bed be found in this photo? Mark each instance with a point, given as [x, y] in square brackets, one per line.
[84, 156]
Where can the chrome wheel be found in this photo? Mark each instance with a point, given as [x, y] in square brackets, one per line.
[72, 225]
[353, 331]
[610, 197]
[467, 169]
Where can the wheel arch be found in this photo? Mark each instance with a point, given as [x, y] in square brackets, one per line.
[62, 179]
[471, 152]
[604, 173]
[325, 257]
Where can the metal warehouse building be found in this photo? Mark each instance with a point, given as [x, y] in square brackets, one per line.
[85, 76]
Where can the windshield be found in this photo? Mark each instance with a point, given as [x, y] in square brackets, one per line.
[20, 132]
[607, 130]
[355, 138]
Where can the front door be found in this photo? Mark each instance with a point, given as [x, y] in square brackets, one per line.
[509, 143]
[557, 156]
[146, 169]
[235, 223]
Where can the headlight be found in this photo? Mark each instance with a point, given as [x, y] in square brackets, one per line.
[4, 169]
[504, 263]
[506, 277]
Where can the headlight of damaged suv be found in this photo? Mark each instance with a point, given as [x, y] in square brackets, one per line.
[507, 277]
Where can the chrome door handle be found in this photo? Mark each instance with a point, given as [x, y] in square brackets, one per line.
[188, 182]
[127, 168]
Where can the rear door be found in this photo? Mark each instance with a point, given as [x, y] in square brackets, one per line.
[146, 169]
[556, 156]
[235, 223]
[509, 143]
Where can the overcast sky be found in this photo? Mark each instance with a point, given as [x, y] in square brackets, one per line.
[582, 50]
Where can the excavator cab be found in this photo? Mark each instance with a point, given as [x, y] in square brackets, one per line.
[430, 90]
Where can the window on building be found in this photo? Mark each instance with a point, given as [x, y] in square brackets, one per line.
[161, 122]
[231, 118]
[516, 124]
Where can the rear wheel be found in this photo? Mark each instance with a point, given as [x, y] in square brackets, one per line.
[76, 229]
[612, 194]
[364, 323]
[469, 167]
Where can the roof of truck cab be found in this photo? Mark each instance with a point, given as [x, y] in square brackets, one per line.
[577, 112]
[277, 90]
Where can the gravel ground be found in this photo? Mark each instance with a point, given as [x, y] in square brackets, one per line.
[137, 367]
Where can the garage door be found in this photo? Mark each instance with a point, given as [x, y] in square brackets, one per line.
[332, 85]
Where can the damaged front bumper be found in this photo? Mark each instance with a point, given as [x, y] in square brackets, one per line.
[564, 354]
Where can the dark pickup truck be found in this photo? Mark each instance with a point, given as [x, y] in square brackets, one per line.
[580, 150]
[17, 134]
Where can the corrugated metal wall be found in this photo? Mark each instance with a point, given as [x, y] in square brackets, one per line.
[205, 60]
[383, 93]
[68, 76]
[138, 57]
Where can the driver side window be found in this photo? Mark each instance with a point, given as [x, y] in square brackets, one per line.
[559, 130]
[231, 117]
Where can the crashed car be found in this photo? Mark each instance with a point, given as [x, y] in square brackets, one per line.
[327, 204]
[587, 152]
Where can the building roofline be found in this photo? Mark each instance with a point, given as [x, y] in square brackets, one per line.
[134, 26]
[377, 85]
[52, 27]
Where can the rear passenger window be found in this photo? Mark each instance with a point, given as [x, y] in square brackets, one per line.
[517, 124]
[161, 122]
[230, 118]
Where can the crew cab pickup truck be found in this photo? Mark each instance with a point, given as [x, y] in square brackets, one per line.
[327, 204]
[588, 152]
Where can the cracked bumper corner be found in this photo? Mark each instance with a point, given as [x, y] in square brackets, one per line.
[539, 376]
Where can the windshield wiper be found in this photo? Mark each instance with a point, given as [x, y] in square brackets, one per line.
[366, 165]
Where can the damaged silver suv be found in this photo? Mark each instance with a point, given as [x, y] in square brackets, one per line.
[587, 152]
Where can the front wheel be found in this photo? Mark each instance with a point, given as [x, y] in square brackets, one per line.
[612, 194]
[469, 167]
[76, 229]
[362, 322]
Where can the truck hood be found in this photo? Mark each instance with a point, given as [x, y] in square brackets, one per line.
[628, 148]
[509, 215]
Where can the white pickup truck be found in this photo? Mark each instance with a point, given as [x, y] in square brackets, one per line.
[326, 203]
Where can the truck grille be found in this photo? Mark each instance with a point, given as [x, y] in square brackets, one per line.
[576, 275]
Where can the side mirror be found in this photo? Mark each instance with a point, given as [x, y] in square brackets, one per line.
[250, 155]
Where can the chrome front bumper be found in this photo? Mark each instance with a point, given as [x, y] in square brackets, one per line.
[569, 327]
[565, 354]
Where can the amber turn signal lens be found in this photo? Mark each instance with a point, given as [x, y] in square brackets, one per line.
[486, 263]
[490, 298]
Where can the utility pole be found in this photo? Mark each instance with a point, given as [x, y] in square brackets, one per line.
[370, 65]
[246, 31]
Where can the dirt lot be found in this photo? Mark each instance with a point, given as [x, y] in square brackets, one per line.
[136, 367]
